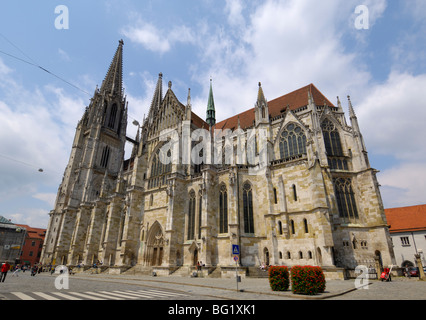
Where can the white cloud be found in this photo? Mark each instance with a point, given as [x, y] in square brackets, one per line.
[64, 56]
[154, 39]
[403, 185]
[392, 115]
[36, 131]
[49, 198]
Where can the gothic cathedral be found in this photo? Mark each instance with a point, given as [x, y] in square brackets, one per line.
[189, 190]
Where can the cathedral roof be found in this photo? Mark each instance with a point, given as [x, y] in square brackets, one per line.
[406, 218]
[293, 100]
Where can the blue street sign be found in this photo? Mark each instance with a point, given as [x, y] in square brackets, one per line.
[235, 249]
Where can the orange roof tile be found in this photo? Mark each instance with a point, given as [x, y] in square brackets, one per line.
[294, 100]
[36, 233]
[406, 218]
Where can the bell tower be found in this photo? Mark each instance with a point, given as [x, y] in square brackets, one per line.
[96, 157]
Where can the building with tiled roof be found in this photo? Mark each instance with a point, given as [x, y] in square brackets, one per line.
[33, 245]
[288, 181]
[407, 227]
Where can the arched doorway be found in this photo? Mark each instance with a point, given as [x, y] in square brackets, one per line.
[195, 260]
[155, 245]
[266, 256]
[378, 258]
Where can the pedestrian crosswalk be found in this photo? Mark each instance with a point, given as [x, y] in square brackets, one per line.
[146, 294]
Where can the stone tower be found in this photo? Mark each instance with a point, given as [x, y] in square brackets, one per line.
[96, 158]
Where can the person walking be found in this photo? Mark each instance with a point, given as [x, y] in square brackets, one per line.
[4, 270]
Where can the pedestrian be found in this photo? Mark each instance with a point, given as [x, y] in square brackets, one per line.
[4, 270]
[16, 272]
[34, 270]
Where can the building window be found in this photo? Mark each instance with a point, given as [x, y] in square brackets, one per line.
[275, 196]
[332, 141]
[294, 192]
[345, 198]
[405, 241]
[292, 227]
[292, 141]
[159, 170]
[223, 210]
[200, 211]
[105, 157]
[248, 208]
[305, 223]
[191, 217]
[280, 227]
[112, 116]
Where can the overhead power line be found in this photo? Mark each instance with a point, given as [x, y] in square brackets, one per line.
[35, 64]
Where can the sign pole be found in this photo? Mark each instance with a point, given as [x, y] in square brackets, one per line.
[236, 253]
[236, 271]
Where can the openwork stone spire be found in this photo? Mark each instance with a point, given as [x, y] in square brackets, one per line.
[113, 82]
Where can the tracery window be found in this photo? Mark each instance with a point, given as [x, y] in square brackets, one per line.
[333, 146]
[332, 141]
[159, 170]
[345, 198]
[191, 217]
[248, 208]
[292, 141]
[223, 210]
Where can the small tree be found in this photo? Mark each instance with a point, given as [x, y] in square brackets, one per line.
[279, 278]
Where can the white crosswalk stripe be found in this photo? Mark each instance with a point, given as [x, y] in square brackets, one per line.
[22, 296]
[101, 295]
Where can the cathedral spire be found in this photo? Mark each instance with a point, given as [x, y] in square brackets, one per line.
[157, 98]
[211, 111]
[113, 82]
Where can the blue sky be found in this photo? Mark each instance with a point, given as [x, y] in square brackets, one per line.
[283, 44]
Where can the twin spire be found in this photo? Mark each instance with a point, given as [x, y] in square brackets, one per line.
[113, 82]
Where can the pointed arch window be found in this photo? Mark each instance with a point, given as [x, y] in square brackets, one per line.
[223, 210]
[112, 116]
[191, 217]
[248, 208]
[159, 170]
[332, 142]
[333, 146]
[200, 211]
[292, 141]
[105, 157]
[345, 198]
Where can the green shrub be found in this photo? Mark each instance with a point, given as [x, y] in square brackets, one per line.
[307, 280]
[279, 278]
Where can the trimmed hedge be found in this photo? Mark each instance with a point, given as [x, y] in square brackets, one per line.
[307, 280]
[279, 278]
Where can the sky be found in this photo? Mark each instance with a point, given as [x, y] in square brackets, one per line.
[374, 53]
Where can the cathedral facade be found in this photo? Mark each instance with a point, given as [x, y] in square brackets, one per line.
[289, 181]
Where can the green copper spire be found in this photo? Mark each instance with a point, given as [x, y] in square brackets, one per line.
[211, 112]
